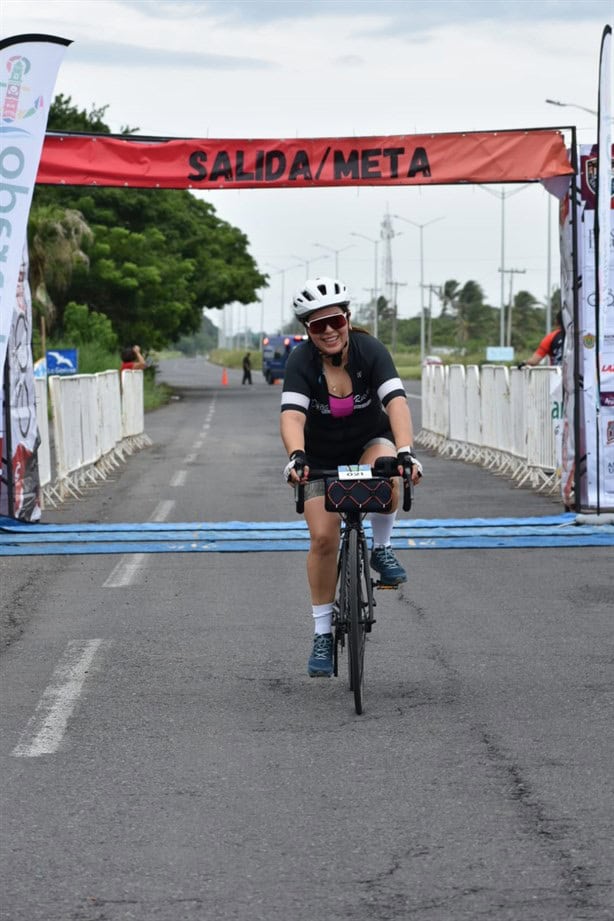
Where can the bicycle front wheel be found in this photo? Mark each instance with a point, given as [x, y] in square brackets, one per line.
[356, 621]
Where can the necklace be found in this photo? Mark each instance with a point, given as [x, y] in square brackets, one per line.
[336, 380]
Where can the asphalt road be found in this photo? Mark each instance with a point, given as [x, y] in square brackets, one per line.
[164, 756]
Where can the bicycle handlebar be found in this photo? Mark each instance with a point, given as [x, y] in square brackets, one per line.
[299, 489]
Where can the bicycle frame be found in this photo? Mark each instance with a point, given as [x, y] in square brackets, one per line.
[352, 521]
[353, 608]
[353, 613]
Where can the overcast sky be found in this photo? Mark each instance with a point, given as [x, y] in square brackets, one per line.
[275, 69]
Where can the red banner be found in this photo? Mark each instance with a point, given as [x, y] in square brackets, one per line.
[428, 159]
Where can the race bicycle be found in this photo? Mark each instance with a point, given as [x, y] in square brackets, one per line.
[352, 492]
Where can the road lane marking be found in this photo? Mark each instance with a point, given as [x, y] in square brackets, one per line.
[190, 458]
[126, 571]
[129, 567]
[163, 510]
[47, 727]
[179, 478]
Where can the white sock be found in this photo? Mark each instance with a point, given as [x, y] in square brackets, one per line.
[382, 526]
[323, 617]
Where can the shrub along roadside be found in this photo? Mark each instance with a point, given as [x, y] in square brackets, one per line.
[408, 365]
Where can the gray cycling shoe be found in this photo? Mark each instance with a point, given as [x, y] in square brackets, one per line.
[385, 562]
[320, 664]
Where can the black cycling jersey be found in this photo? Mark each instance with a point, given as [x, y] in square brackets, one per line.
[375, 381]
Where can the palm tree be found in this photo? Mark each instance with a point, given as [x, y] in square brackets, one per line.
[449, 296]
[468, 309]
[55, 239]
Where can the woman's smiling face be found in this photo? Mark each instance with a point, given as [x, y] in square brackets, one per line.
[328, 339]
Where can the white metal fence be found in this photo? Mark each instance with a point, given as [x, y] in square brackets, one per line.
[506, 419]
[96, 421]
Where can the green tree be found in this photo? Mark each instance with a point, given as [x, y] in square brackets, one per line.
[81, 326]
[157, 257]
[449, 297]
[142, 286]
[64, 116]
[56, 238]
[528, 320]
[470, 315]
[385, 318]
[202, 341]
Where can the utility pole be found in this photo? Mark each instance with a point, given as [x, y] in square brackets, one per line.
[393, 338]
[353, 233]
[503, 194]
[421, 228]
[429, 326]
[387, 233]
[332, 249]
[511, 273]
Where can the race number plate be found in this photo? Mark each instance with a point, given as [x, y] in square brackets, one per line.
[355, 472]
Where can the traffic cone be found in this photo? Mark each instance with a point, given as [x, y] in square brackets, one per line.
[224, 378]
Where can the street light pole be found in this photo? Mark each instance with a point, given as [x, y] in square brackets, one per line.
[331, 249]
[306, 262]
[376, 244]
[282, 272]
[429, 331]
[511, 273]
[502, 194]
[393, 335]
[570, 105]
[421, 228]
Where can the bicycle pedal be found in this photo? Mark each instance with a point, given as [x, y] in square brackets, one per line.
[386, 585]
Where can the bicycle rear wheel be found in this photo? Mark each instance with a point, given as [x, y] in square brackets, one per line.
[356, 621]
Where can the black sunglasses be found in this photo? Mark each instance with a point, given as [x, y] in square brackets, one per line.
[335, 321]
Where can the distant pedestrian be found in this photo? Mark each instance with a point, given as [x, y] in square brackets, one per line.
[551, 346]
[247, 369]
[132, 359]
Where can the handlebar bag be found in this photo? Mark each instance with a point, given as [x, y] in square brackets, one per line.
[368, 495]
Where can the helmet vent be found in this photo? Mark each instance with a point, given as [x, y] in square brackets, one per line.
[322, 289]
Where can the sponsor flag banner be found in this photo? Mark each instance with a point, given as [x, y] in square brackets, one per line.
[595, 347]
[604, 281]
[25, 438]
[432, 159]
[588, 358]
[28, 70]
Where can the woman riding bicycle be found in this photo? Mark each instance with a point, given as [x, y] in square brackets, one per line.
[342, 403]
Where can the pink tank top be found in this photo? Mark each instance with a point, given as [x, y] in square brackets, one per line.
[341, 406]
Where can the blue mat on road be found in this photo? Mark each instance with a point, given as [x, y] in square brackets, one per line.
[23, 539]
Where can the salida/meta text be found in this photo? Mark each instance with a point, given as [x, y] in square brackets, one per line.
[300, 165]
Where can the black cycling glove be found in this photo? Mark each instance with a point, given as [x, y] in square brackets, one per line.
[407, 460]
[298, 462]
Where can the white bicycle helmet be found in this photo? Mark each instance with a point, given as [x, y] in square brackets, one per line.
[319, 292]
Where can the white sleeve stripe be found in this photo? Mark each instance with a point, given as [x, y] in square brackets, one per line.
[395, 383]
[288, 398]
